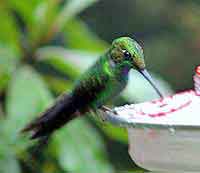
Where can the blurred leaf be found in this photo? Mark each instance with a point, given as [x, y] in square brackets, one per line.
[1, 113]
[4, 78]
[44, 15]
[63, 66]
[58, 85]
[9, 31]
[79, 148]
[87, 40]
[25, 9]
[70, 62]
[8, 59]
[27, 96]
[70, 9]
[8, 63]
[8, 161]
[114, 132]
[45, 12]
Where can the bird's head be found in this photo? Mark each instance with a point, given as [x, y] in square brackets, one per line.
[128, 53]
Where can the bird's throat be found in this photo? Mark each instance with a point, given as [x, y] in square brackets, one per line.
[125, 71]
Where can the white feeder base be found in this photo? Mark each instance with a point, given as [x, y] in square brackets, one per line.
[165, 150]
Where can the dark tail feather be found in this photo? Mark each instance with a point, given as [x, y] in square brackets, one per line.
[56, 116]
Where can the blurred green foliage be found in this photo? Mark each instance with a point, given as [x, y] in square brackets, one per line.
[46, 44]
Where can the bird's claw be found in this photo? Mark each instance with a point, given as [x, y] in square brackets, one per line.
[105, 109]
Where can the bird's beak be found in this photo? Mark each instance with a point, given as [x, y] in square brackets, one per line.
[148, 77]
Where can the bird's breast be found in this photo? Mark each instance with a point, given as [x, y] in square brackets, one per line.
[113, 87]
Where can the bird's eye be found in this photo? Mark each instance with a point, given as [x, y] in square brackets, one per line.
[127, 55]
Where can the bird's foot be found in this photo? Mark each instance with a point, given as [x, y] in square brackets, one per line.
[105, 109]
[100, 113]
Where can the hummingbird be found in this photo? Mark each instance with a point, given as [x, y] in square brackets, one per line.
[103, 81]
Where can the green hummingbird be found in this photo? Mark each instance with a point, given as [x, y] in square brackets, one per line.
[101, 82]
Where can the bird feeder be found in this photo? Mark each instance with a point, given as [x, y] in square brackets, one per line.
[164, 134]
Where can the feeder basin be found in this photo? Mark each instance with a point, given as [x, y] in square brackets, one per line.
[164, 134]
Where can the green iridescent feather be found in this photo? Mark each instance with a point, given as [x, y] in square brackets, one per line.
[103, 81]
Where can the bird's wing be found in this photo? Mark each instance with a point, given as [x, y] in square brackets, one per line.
[89, 88]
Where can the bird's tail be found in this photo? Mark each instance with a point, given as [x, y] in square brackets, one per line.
[56, 116]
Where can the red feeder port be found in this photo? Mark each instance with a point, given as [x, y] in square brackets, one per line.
[198, 70]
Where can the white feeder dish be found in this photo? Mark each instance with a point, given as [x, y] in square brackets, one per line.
[164, 134]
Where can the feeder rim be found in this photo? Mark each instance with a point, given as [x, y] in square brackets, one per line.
[124, 122]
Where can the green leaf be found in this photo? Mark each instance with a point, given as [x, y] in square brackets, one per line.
[27, 96]
[69, 62]
[8, 63]
[63, 66]
[44, 15]
[8, 162]
[53, 21]
[4, 78]
[58, 85]
[114, 132]
[89, 41]
[70, 9]
[25, 9]
[8, 59]
[45, 12]
[79, 148]
[9, 31]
